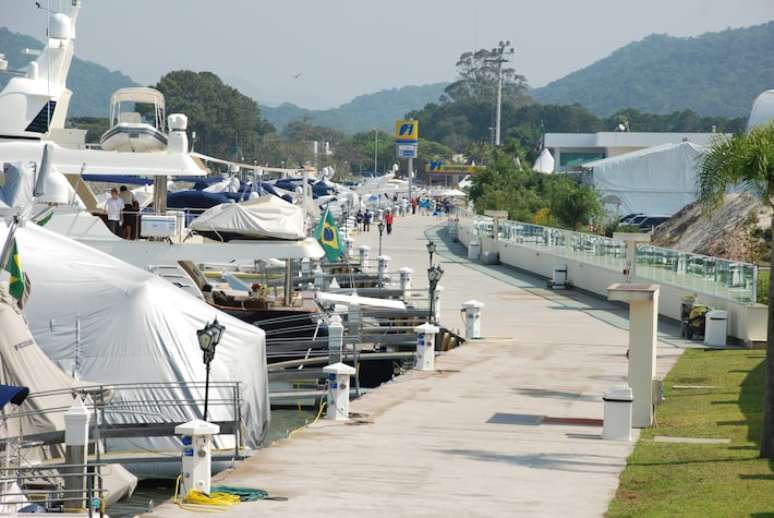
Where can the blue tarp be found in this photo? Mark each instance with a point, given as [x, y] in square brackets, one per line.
[13, 394]
[195, 199]
[115, 178]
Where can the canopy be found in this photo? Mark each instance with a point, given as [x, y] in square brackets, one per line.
[138, 94]
[544, 163]
[109, 322]
[656, 181]
[762, 111]
[76, 161]
[267, 217]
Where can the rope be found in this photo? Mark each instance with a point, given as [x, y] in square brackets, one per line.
[317, 418]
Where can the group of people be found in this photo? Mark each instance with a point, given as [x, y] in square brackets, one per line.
[123, 213]
[365, 217]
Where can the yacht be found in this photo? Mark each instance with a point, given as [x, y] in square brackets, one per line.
[136, 121]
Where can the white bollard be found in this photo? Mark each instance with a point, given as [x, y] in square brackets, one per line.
[335, 339]
[424, 360]
[338, 390]
[405, 281]
[306, 266]
[383, 266]
[437, 303]
[364, 251]
[76, 449]
[472, 310]
[617, 423]
[197, 457]
[319, 278]
[350, 247]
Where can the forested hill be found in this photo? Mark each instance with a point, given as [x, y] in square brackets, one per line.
[717, 73]
[91, 84]
[363, 113]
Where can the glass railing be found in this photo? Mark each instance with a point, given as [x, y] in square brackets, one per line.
[723, 278]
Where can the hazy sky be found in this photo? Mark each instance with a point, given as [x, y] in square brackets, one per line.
[345, 48]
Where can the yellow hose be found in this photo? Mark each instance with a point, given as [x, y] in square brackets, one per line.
[198, 501]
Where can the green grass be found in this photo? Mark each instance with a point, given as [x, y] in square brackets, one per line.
[686, 480]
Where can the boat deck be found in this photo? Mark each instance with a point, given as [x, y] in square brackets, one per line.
[507, 425]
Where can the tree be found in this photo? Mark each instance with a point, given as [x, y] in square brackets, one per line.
[478, 74]
[747, 160]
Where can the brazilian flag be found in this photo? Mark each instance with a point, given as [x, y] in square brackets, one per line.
[17, 287]
[327, 234]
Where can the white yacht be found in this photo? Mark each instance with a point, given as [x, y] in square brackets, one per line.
[136, 121]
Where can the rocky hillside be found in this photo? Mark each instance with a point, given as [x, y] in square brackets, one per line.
[734, 231]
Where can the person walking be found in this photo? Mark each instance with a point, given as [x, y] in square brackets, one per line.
[114, 206]
[367, 220]
[388, 220]
[413, 206]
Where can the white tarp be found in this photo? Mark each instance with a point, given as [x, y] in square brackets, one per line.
[19, 185]
[267, 217]
[656, 181]
[544, 163]
[106, 321]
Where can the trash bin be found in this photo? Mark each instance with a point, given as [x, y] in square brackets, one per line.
[474, 249]
[617, 424]
[560, 277]
[716, 327]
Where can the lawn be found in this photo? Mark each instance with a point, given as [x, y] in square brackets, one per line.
[703, 480]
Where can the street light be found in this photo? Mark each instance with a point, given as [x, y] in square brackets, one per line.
[380, 226]
[431, 248]
[209, 338]
[434, 274]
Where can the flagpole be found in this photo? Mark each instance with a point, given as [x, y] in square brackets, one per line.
[8, 245]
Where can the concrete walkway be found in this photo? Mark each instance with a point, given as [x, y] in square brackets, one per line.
[463, 441]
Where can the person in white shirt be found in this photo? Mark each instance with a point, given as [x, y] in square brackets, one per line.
[114, 206]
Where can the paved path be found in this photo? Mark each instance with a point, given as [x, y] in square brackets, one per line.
[449, 443]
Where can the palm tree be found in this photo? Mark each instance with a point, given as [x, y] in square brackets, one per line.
[747, 161]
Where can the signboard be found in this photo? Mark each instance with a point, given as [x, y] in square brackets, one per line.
[440, 167]
[406, 131]
[407, 150]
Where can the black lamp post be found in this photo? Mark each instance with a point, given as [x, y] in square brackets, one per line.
[434, 274]
[380, 226]
[209, 338]
[431, 247]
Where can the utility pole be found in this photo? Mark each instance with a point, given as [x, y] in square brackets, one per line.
[503, 51]
[376, 151]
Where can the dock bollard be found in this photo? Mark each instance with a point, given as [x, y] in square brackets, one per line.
[405, 281]
[76, 441]
[338, 390]
[335, 339]
[424, 360]
[383, 266]
[364, 251]
[319, 278]
[197, 457]
[437, 303]
[472, 310]
[350, 247]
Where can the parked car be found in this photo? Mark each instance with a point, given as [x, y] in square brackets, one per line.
[626, 219]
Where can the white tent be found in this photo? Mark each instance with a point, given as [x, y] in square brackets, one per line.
[267, 217]
[103, 320]
[544, 163]
[762, 111]
[657, 181]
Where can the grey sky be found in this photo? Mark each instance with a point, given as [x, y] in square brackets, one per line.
[346, 48]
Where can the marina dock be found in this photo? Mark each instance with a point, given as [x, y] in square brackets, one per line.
[506, 425]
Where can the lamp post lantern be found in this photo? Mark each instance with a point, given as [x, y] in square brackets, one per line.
[380, 226]
[209, 338]
[434, 274]
[431, 248]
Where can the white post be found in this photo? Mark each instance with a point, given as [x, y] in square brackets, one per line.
[364, 251]
[643, 336]
[410, 179]
[437, 303]
[383, 266]
[335, 339]
[197, 458]
[76, 451]
[338, 390]
[350, 244]
[305, 201]
[472, 309]
[319, 278]
[424, 359]
[405, 281]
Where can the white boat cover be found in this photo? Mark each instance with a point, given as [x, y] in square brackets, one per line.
[109, 322]
[656, 181]
[20, 183]
[544, 163]
[267, 217]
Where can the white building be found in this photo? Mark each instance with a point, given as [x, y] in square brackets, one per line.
[572, 150]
